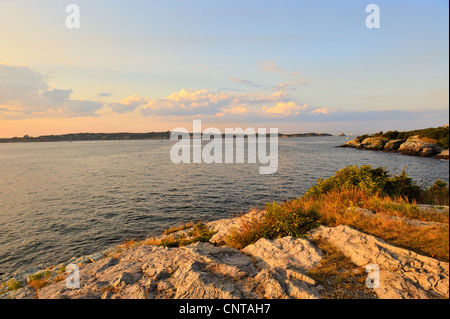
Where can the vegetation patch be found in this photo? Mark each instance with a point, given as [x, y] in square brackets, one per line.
[340, 277]
[175, 229]
[280, 220]
[370, 188]
[12, 284]
[436, 135]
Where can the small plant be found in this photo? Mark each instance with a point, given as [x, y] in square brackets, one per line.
[293, 218]
[169, 242]
[62, 269]
[38, 283]
[289, 219]
[37, 276]
[175, 229]
[437, 194]
[13, 284]
[370, 181]
[59, 278]
[201, 233]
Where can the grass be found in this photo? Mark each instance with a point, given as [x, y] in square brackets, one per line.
[175, 229]
[13, 284]
[279, 220]
[340, 277]
[62, 269]
[199, 233]
[39, 280]
[327, 203]
[38, 283]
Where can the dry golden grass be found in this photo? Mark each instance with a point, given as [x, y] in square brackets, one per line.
[175, 229]
[59, 278]
[129, 243]
[331, 207]
[431, 241]
[429, 140]
[339, 275]
[152, 241]
[248, 232]
[38, 284]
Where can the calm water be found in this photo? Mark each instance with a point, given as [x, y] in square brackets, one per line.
[63, 200]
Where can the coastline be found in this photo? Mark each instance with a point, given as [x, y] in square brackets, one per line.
[270, 268]
[413, 146]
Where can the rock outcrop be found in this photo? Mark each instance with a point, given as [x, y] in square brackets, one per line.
[277, 268]
[393, 145]
[414, 145]
[374, 143]
[419, 147]
[403, 274]
[443, 155]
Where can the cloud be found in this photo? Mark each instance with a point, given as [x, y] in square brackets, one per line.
[57, 95]
[322, 110]
[19, 84]
[285, 109]
[272, 67]
[129, 104]
[252, 106]
[289, 85]
[104, 94]
[246, 82]
[190, 102]
[25, 93]
[235, 110]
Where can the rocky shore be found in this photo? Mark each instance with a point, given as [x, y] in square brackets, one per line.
[278, 268]
[414, 145]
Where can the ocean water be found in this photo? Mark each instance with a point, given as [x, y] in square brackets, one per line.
[68, 199]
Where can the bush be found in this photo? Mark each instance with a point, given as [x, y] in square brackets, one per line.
[289, 219]
[13, 284]
[370, 181]
[280, 220]
[391, 135]
[201, 233]
[437, 194]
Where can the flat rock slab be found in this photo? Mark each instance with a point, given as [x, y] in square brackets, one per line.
[197, 271]
[403, 273]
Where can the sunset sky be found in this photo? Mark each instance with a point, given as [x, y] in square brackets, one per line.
[141, 66]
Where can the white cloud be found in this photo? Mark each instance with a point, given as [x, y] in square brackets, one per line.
[285, 109]
[272, 67]
[201, 101]
[129, 104]
[25, 93]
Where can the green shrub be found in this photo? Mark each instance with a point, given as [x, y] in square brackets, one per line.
[370, 181]
[288, 219]
[391, 135]
[201, 233]
[37, 276]
[437, 194]
[280, 220]
[62, 269]
[13, 284]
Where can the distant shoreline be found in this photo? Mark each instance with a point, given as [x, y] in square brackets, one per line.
[75, 137]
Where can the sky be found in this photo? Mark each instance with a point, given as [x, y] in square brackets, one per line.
[143, 66]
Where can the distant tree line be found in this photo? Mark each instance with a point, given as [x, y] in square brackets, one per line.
[117, 136]
[89, 137]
